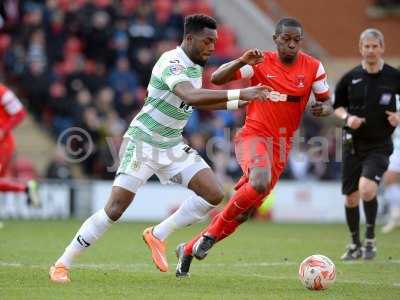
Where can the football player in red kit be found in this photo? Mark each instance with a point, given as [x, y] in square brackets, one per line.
[263, 144]
[11, 114]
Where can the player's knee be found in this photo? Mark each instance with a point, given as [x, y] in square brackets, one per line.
[367, 191]
[352, 200]
[259, 184]
[367, 194]
[367, 188]
[259, 180]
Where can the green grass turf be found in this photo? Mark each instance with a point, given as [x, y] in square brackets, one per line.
[259, 262]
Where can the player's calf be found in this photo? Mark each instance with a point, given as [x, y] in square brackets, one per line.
[243, 217]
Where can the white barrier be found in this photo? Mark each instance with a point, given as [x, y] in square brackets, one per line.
[55, 203]
[308, 201]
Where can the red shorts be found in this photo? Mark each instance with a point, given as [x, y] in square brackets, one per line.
[7, 147]
[260, 152]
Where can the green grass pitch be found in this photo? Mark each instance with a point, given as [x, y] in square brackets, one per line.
[260, 261]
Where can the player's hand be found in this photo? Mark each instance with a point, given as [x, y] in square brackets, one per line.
[252, 57]
[355, 122]
[319, 109]
[393, 118]
[258, 92]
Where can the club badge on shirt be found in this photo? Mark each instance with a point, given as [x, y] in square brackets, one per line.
[300, 79]
[176, 69]
[385, 99]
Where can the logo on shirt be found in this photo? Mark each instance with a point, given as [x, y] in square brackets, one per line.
[271, 76]
[355, 81]
[277, 97]
[185, 107]
[385, 98]
[135, 165]
[300, 79]
[176, 69]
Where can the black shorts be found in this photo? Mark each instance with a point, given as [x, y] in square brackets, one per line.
[370, 164]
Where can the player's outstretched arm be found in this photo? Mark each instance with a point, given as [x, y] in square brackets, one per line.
[226, 72]
[198, 97]
[223, 106]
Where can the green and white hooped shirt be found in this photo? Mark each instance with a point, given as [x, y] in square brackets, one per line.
[164, 115]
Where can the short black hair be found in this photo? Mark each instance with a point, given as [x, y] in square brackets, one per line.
[287, 22]
[197, 22]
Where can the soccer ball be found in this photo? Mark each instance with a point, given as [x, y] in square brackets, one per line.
[317, 272]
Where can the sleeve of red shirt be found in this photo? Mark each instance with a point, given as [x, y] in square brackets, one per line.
[320, 85]
[14, 110]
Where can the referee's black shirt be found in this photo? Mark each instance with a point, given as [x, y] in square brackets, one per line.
[368, 96]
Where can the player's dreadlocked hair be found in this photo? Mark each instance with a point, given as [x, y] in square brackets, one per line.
[196, 23]
[287, 22]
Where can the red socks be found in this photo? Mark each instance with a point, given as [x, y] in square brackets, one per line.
[245, 198]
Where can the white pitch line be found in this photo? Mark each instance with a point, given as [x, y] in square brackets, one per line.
[10, 264]
[200, 265]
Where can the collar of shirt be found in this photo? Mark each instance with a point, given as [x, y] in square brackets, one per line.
[381, 64]
[184, 57]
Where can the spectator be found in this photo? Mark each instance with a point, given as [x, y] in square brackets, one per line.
[36, 83]
[58, 167]
[122, 79]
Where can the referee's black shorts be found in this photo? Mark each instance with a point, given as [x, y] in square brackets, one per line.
[370, 164]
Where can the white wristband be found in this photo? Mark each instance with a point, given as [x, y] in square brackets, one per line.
[232, 105]
[233, 94]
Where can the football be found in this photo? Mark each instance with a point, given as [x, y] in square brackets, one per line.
[317, 272]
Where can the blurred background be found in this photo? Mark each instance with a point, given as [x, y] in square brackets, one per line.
[86, 64]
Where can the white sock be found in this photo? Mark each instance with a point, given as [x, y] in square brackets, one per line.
[191, 211]
[91, 230]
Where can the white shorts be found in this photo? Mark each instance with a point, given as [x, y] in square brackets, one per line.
[139, 161]
[394, 161]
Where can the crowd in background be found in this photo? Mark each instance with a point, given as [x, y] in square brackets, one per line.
[87, 64]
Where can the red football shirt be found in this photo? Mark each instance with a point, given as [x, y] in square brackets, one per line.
[11, 111]
[281, 114]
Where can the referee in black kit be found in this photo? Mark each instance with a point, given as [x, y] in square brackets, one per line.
[365, 99]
